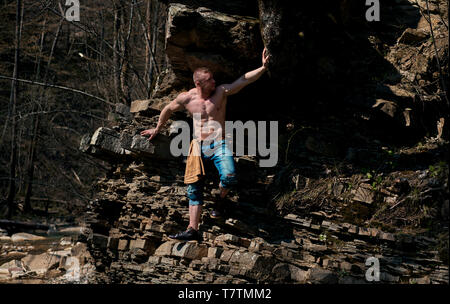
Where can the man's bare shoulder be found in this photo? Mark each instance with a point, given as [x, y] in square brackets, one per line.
[222, 88]
[192, 93]
[184, 97]
[189, 95]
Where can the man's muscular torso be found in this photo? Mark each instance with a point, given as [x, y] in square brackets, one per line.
[210, 109]
[208, 102]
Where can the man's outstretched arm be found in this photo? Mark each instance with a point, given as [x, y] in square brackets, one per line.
[175, 105]
[247, 78]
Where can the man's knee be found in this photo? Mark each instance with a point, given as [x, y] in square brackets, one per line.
[195, 203]
[195, 195]
[228, 180]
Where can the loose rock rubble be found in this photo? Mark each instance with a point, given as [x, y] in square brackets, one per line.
[28, 258]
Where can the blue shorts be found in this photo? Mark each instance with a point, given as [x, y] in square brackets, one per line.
[220, 154]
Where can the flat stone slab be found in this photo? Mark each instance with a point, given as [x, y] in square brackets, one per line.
[72, 230]
[5, 239]
[364, 194]
[41, 263]
[22, 236]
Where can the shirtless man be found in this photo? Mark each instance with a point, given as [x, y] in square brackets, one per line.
[209, 103]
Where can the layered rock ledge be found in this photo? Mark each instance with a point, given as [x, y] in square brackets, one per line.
[143, 200]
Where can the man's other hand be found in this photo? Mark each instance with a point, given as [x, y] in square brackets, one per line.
[265, 57]
[151, 132]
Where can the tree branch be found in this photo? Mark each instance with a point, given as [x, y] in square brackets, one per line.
[57, 87]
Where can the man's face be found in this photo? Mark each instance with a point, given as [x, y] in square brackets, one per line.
[207, 82]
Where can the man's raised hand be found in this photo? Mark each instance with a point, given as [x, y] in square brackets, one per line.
[151, 132]
[265, 58]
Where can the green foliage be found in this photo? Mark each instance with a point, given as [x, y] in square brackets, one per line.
[437, 170]
[420, 146]
[390, 159]
[377, 182]
[374, 178]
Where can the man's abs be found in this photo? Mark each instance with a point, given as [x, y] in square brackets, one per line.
[209, 129]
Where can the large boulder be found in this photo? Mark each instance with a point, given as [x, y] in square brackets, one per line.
[192, 251]
[227, 44]
[109, 144]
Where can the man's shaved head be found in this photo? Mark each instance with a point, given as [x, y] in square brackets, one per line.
[200, 74]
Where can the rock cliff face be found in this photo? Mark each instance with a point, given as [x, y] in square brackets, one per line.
[324, 56]
[144, 199]
[310, 219]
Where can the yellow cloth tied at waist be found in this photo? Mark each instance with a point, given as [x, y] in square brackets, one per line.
[194, 164]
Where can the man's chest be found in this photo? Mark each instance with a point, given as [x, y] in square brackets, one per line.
[208, 107]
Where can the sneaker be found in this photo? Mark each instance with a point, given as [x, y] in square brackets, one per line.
[218, 209]
[189, 235]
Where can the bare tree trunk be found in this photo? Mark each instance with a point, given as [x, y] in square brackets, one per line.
[41, 47]
[30, 168]
[13, 101]
[154, 41]
[101, 80]
[147, 48]
[150, 61]
[36, 119]
[124, 77]
[116, 50]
